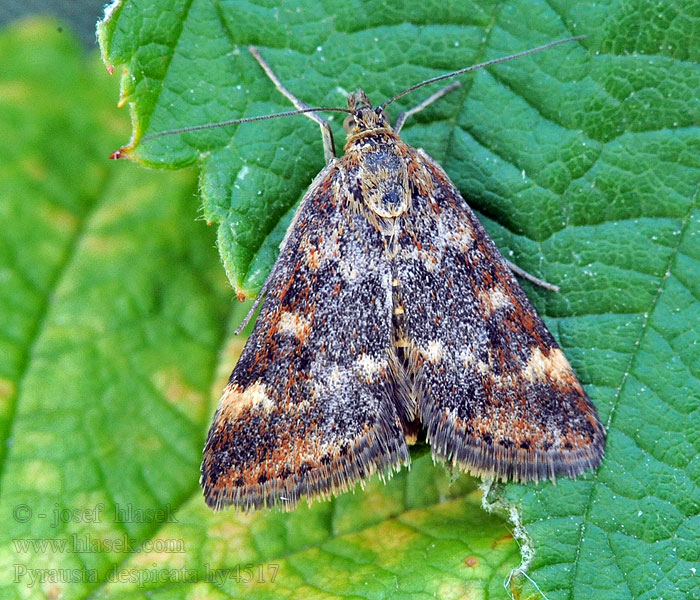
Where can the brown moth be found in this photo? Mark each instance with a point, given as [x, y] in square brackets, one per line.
[389, 314]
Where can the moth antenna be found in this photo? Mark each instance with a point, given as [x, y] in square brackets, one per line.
[253, 308]
[481, 66]
[244, 120]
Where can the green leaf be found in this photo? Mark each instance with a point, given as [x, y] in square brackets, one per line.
[584, 162]
[112, 312]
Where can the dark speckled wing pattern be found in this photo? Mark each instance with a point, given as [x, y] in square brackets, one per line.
[308, 409]
[495, 393]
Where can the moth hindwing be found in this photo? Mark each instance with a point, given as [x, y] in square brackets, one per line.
[390, 312]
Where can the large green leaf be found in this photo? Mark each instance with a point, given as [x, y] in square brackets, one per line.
[584, 160]
[113, 318]
[112, 313]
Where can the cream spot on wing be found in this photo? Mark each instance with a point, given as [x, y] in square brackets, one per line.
[493, 300]
[312, 256]
[335, 376]
[348, 270]
[368, 366]
[462, 237]
[330, 382]
[294, 324]
[235, 400]
[541, 366]
[434, 352]
[468, 358]
[330, 246]
[430, 262]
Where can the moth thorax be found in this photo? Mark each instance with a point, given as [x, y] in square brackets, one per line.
[383, 177]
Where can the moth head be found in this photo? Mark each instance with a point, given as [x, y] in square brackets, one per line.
[363, 116]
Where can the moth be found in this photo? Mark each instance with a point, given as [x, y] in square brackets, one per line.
[390, 314]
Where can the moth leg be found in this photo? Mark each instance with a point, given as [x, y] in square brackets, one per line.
[253, 308]
[427, 102]
[326, 133]
[516, 270]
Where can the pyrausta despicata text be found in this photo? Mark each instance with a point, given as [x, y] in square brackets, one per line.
[390, 314]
